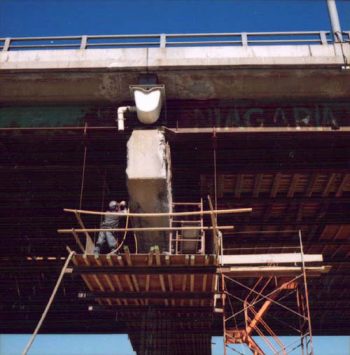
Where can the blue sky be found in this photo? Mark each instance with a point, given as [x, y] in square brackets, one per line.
[119, 345]
[76, 17]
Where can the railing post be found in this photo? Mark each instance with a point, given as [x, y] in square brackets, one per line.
[83, 42]
[6, 44]
[162, 43]
[348, 33]
[323, 37]
[244, 38]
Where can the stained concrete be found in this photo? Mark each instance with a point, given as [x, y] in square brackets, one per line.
[227, 72]
[149, 185]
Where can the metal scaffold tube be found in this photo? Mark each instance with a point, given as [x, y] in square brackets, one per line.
[334, 17]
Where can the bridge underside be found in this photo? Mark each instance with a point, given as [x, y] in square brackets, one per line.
[282, 150]
[291, 180]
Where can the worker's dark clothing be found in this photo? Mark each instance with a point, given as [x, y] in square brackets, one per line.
[110, 221]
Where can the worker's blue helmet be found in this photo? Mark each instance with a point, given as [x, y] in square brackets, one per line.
[112, 205]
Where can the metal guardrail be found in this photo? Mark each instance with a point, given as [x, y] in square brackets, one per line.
[169, 40]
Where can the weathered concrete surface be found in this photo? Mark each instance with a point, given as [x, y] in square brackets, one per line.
[149, 185]
[104, 75]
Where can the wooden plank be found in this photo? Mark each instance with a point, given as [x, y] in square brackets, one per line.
[275, 185]
[267, 212]
[300, 213]
[268, 271]
[141, 229]
[162, 214]
[339, 231]
[133, 277]
[161, 277]
[127, 277]
[238, 187]
[184, 278]
[311, 184]
[115, 277]
[148, 277]
[97, 280]
[170, 279]
[76, 237]
[94, 277]
[329, 185]
[205, 277]
[293, 185]
[257, 183]
[84, 277]
[89, 244]
[342, 185]
[192, 262]
[108, 280]
[269, 258]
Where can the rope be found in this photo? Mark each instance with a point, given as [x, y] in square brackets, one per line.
[83, 172]
[215, 173]
[43, 316]
[123, 240]
[136, 245]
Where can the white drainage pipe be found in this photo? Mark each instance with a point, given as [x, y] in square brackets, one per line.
[121, 118]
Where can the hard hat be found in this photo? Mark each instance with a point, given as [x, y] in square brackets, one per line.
[122, 203]
[112, 205]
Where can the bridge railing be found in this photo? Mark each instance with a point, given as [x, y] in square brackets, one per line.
[169, 40]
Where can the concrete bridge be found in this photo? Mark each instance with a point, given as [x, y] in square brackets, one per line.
[296, 68]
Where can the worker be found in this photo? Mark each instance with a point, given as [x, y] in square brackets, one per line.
[110, 221]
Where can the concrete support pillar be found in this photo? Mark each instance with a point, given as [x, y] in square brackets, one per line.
[149, 185]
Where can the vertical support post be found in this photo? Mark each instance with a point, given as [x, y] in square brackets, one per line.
[215, 169]
[202, 231]
[83, 42]
[301, 309]
[323, 38]
[7, 43]
[223, 299]
[215, 230]
[306, 294]
[162, 43]
[244, 39]
[333, 15]
[83, 169]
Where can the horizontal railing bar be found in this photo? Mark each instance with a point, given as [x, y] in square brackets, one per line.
[42, 38]
[142, 270]
[202, 42]
[286, 33]
[161, 214]
[282, 40]
[147, 294]
[248, 33]
[141, 229]
[119, 44]
[77, 45]
[123, 36]
[171, 35]
[161, 40]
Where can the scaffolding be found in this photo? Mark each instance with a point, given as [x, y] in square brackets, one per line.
[276, 285]
[170, 300]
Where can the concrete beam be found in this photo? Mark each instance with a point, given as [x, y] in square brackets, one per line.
[104, 75]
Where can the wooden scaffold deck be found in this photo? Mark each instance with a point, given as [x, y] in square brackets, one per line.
[173, 298]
